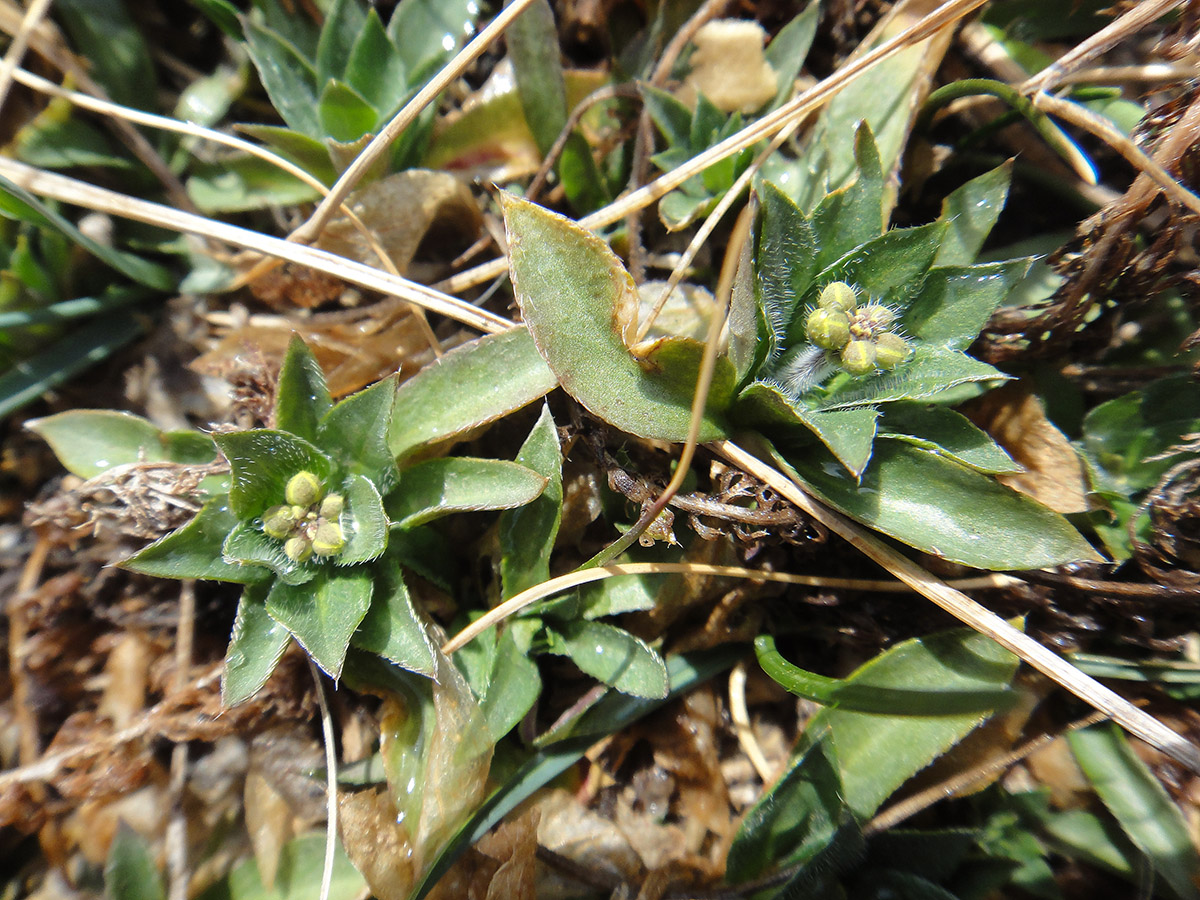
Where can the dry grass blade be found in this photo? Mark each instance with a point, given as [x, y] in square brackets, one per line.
[20, 43]
[79, 193]
[971, 613]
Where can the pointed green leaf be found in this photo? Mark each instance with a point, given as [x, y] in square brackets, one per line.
[527, 533]
[124, 69]
[246, 546]
[971, 211]
[1135, 797]
[289, 78]
[195, 550]
[301, 865]
[255, 648]
[574, 295]
[538, 71]
[91, 441]
[262, 461]
[928, 372]
[392, 628]
[363, 521]
[946, 432]
[852, 215]
[345, 116]
[513, 686]
[245, 183]
[672, 116]
[344, 21]
[955, 302]
[785, 264]
[129, 871]
[374, 68]
[613, 656]
[789, 48]
[460, 391]
[301, 397]
[440, 487]
[943, 508]
[355, 433]
[323, 614]
[427, 31]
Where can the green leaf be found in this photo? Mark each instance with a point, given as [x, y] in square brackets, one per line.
[91, 441]
[195, 550]
[440, 487]
[366, 526]
[129, 871]
[248, 547]
[1140, 804]
[374, 68]
[461, 392]
[852, 215]
[513, 685]
[527, 533]
[955, 302]
[795, 820]
[52, 142]
[124, 68]
[262, 461]
[255, 648]
[345, 116]
[578, 300]
[971, 211]
[323, 614]
[307, 152]
[612, 655]
[301, 862]
[425, 32]
[355, 433]
[672, 116]
[948, 433]
[243, 184]
[301, 397]
[785, 263]
[392, 627]
[532, 42]
[789, 48]
[289, 78]
[926, 501]
[344, 21]
[927, 373]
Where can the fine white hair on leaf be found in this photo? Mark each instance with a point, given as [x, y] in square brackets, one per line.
[802, 369]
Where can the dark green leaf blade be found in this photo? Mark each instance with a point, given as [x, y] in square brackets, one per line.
[91, 441]
[363, 521]
[262, 461]
[289, 78]
[440, 487]
[971, 211]
[612, 655]
[301, 397]
[955, 301]
[392, 627]
[324, 614]
[947, 432]
[527, 533]
[195, 550]
[255, 648]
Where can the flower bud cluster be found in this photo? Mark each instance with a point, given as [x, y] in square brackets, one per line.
[308, 522]
[856, 335]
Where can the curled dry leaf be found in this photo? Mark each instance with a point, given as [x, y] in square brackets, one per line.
[729, 68]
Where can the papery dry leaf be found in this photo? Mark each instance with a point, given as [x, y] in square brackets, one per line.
[126, 673]
[270, 822]
[1016, 420]
[729, 67]
[514, 844]
[378, 847]
[594, 842]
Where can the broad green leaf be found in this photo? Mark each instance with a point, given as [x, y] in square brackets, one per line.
[427, 31]
[301, 396]
[248, 547]
[789, 48]
[852, 215]
[129, 871]
[850, 695]
[440, 487]
[344, 21]
[671, 115]
[1140, 804]
[927, 373]
[195, 550]
[527, 533]
[323, 614]
[392, 628]
[363, 521]
[785, 264]
[955, 301]
[795, 820]
[243, 184]
[305, 151]
[613, 596]
[301, 863]
[255, 648]
[374, 68]
[119, 59]
[849, 434]
[877, 753]
[928, 502]
[531, 42]
[612, 655]
[946, 432]
[577, 300]
[971, 211]
[289, 78]
[262, 461]
[91, 441]
[460, 391]
[344, 115]
[54, 142]
[513, 685]
[355, 433]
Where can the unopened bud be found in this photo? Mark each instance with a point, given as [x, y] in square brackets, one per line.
[303, 489]
[874, 317]
[838, 295]
[298, 549]
[828, 328]
[332, 506]
[890, 350]
[329, 539]
[858, 357]
[278, 521]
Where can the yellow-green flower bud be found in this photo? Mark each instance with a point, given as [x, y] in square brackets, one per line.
[858, 357]
[303, 489]
[298, 549]
[332, 506]
[278, 521]
[874, 317]
[890, 350]
[329, 539]
[828, 328]
[838, 295]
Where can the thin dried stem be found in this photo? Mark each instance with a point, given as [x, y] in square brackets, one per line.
[743, 727]
[971, 613]
[311, 229]
[176, 844]
[331, 807]
[20, 43]
[79, 193]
